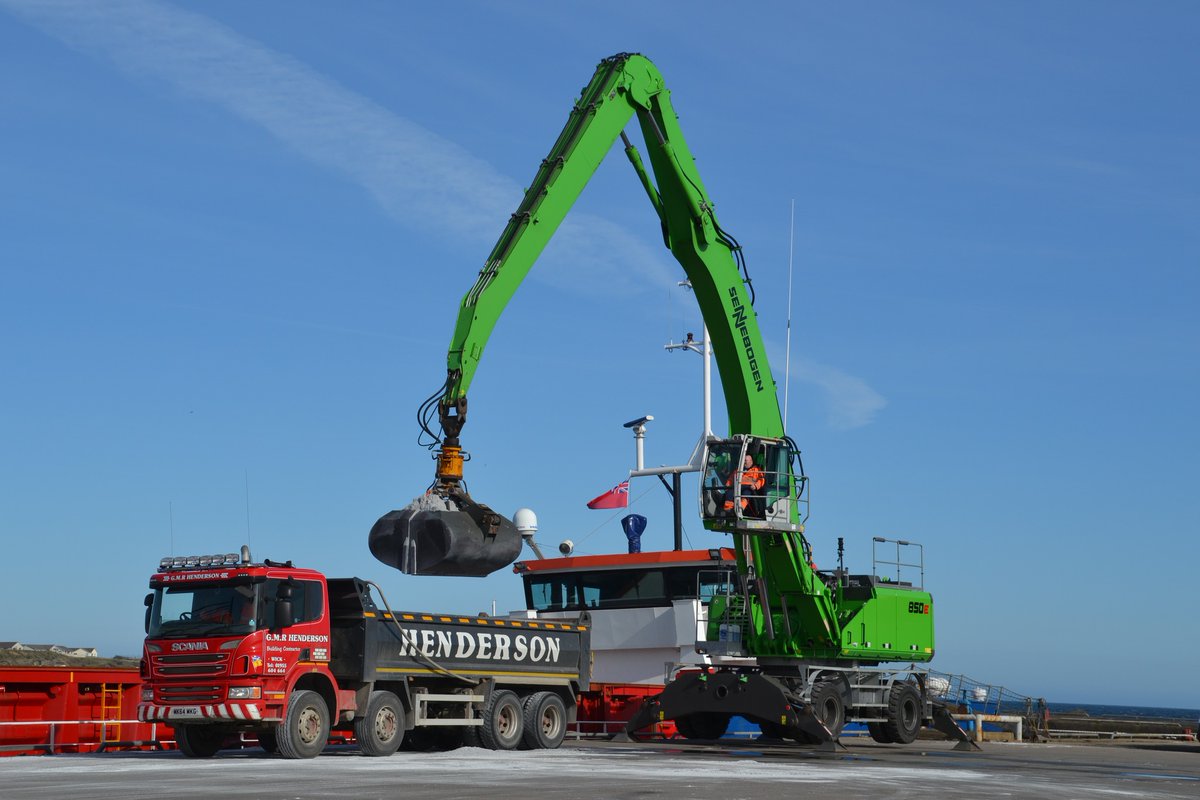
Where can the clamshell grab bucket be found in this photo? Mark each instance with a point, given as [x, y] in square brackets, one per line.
[471, 541]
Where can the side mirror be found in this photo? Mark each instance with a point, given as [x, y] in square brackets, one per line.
[149, 601]
[283, 606]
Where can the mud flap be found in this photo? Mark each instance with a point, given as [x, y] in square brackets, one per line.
[945, 724]
[757, 697]
[472, 541]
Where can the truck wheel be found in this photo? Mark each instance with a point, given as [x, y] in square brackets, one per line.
[903, 713]
[829, 706]
[381, 730]
[305, 728]
[545, 721]
[268, 742]
[503, 721]
[199, 741]
[704, 725]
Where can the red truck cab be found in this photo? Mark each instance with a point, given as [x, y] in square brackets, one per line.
[230, 641]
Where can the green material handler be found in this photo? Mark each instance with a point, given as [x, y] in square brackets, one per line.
[796, 649]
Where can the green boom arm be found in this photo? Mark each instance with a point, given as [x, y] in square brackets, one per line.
[625, 85]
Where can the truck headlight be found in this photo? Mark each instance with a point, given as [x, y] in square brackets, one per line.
[244, 692]
[147, 694]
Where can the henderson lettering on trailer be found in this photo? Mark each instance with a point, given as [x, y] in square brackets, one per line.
[417, 644]
[474, 646]
[528, 648]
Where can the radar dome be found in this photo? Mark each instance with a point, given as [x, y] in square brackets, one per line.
[525, 520]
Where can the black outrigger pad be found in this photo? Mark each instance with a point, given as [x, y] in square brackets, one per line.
[943, 722]
[472, 542]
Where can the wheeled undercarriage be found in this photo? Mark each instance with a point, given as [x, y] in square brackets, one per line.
[809, 704]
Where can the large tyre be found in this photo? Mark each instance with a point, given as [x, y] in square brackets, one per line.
[199, 741]
[503, 721]
[305, 729]
[380, 731]
[268, 742]
[545, 721]
[903, 713]
[829, 705]
[704, 725]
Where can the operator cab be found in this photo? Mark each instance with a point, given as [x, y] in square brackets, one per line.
[748, 483]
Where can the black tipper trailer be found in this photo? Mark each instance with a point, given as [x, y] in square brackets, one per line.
[497, 682]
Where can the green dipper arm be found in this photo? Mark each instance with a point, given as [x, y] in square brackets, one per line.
[625, 85]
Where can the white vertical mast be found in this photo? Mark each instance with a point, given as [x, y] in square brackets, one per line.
[704, 348]
[707, 355]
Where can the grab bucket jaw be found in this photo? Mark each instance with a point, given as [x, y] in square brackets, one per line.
[452, 536]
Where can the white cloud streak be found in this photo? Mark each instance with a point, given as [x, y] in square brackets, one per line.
[411, 172]
[849, 401]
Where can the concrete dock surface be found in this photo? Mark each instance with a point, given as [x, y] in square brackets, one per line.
[596, 770]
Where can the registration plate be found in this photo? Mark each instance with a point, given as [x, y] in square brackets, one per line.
[184, 711]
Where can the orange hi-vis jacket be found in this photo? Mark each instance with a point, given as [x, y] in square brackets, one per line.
[751, 477]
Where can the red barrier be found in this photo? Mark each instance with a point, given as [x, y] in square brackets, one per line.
[86, 709]
[608, 706]
[72, 709]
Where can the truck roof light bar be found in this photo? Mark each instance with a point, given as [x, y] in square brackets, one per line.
[191, 562]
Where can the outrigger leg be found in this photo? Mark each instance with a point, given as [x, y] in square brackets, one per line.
[944, 723]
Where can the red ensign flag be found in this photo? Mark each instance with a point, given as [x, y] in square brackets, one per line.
[616, 497]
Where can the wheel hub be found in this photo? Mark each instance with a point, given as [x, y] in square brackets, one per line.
[310, 725]
[385, 725]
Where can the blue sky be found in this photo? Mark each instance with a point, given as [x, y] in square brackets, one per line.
[235, 237]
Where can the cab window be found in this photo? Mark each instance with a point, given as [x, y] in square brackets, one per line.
[307, 604]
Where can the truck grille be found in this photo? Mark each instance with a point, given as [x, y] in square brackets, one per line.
[191, 664]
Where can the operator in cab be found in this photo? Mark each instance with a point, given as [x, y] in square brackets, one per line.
[752, 482]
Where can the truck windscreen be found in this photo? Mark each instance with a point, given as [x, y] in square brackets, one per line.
[208, 609]
[229, 608]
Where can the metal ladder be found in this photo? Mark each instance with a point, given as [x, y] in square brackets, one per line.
[110, 713]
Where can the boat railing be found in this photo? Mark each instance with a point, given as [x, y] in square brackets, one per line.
[971, 697]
